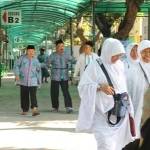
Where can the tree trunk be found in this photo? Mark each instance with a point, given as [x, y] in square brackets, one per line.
[103, 25]
[129, 19]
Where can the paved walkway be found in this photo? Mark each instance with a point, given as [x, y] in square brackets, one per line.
[49, 131]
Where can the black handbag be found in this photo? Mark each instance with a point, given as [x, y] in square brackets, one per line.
[120, 102]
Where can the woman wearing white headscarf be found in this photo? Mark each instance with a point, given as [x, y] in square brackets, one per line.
[131, 55]
[131, 62]
[138, 80]
[97, 100]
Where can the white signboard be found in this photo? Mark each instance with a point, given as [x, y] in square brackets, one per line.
[11, 17]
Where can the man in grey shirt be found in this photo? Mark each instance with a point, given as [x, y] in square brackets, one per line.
[59, 76]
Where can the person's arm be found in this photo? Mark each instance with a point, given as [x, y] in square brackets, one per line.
[49, 60]
[77, 68]
[38, 70]
[16, 68]
[71, 59]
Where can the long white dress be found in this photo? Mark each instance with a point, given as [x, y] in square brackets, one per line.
[138, 85]
[95, 105]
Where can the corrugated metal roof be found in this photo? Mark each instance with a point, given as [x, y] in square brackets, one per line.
[40, 17]
[43, 17]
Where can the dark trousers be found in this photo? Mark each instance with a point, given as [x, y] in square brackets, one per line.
[11, 64]
[45, 74]
[55, 93]
[27, 94]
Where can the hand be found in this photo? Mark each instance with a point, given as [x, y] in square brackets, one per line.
[75, 81]
[107, 89]
[76, 78]
[17, 78]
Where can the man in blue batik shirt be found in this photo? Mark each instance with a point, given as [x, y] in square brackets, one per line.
[59, 76]
[27, 71]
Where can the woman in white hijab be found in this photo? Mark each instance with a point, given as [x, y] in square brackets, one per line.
[131, 62]
[131, 55]
[138, 81]
[97, 100]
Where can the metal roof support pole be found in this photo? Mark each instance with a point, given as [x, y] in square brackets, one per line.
[71, 46]
[6, 51]
[71, 38]
[46, 43]
[0, 64]
[148, 24]
[93, 22]
[0, 61]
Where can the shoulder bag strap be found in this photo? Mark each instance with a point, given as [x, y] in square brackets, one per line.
[145, 75]
[110, 83]
[105, 72]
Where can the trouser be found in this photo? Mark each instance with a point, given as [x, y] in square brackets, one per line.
[55, 93]
[45, 74]
[11, 64]
[27, 94]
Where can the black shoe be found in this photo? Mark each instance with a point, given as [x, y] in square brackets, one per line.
[54, 110]
[46, 81]
[69, 110]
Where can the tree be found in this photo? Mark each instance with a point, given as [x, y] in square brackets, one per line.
[126, 25]
[80, 30]
[105, 21]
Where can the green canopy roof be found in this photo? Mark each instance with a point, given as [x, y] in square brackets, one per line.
[44, 17]
[118, 6]
[41, 17]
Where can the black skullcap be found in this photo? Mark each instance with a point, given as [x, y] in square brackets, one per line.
[90, 43]
[59, 42]
[42, 49]
[30, 47]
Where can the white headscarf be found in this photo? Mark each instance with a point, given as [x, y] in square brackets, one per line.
[146, 66]
[143, 45]
[110, 48]
[128, 51]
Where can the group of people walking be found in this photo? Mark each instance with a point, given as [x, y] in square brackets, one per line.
[106, 83]
[118, 74]
[28, 75]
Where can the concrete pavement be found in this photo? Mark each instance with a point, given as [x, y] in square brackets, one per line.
[48, 131]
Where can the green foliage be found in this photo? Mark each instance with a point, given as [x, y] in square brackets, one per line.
[3, 70]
